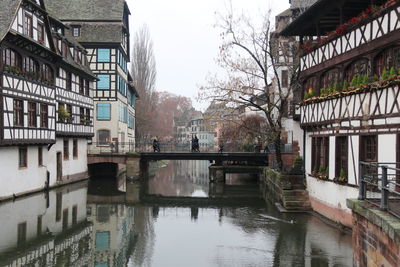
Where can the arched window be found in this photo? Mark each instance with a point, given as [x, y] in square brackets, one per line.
[358, 67]
[329, 78]
[103, 137]
[47, 74]
[31, 67]
[311, 84]
[11, 58]
[383, 61]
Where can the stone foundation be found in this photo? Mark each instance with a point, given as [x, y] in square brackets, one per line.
[376, 236]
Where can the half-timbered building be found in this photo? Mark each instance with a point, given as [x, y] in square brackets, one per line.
[46, 109]
[103, 29]
[350, 110]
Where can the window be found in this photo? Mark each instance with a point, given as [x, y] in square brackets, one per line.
[341, 155]
[123, 113]
[40, 32]
[66, 149]
[40, 156]
[75, 148]
[359, 67]
[81, 85]
[88, 121]
[104, 81]
[103, 55]
[28, 27]
[23, 157]
[18, 112]
[47, 74]
[21, 233]
[87, 88]
[31, 68]
[122, 85]
[69, 81]
[285, 78]
[64, 47]
[311, 84]
[69, 110]
[329, 78]
[382, 61]
[103, 137]
[58, 206]
[65, 219]
[32, 114]
[369, 148]
[103, 111]
[76, 31]
[102, 240]
[43, 116]
[11, 58]
[39, 225]
[74, 214]
[82, 115]
[320, 153]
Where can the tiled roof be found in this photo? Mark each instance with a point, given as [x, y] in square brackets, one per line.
[87, 10]
[8, 10]
[101, 33]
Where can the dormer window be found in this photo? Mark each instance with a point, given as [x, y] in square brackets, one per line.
[28, 26]
[76, 31]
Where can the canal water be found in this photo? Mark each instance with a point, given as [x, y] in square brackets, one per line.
[181, 220]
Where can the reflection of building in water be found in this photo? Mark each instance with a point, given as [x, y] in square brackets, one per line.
[113, 233]
[195, 170]
[46, 229]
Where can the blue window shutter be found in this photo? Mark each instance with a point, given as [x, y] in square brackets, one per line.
[103, 111]
[104, 82]
[103, 55]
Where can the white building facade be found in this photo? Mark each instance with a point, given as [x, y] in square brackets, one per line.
[46, 109]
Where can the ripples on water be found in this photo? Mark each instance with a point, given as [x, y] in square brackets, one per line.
[81, 225]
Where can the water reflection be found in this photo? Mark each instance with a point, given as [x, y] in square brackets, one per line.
[182, 178]
[97, 225]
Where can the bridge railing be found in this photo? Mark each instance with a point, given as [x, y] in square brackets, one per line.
[111, 148]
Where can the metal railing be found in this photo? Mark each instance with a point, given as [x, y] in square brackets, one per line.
[380, 185]
[111, 148]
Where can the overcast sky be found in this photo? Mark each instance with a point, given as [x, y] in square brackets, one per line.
[185, 39]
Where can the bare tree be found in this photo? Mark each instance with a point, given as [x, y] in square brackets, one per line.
[144, 76]
[248, 58]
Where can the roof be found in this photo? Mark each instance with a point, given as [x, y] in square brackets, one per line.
[8, 11]
[100, 33]
[88, 10]
[325, 14]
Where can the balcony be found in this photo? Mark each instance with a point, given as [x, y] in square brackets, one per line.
[369, 26]
[374, 105]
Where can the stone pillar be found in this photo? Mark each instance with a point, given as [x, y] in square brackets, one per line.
[133, 169]
[133, 190]
[144, 169]
[217, 174]
[216, 189]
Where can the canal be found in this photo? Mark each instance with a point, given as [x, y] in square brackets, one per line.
[94, 224]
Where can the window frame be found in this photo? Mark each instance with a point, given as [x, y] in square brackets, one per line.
[104, 55]
[66, 149]
[23, 157]
[103, 105]
[18, 106]
[341, 155]
[32, 114]
[28, 25]
[44, 116]
[107, 81]
[107, 139]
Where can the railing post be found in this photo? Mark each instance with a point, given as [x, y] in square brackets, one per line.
[385, 193]
[361, 191]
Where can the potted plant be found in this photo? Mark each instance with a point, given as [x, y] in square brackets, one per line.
[342, 179]
[64, 115]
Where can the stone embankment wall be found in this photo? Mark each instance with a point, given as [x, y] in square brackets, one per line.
[376, 236]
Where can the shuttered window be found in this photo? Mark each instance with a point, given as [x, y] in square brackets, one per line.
[104, 111]
[103, 55]
[104, 81]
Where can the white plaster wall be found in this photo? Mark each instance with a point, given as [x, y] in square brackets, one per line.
[387, 150]
[72, 165]
[353, 162]
[15, 180]
[332, 194]
[111, 125]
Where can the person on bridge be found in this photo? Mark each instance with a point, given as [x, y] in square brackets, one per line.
[156, 145]
[221, 148]
[195, 144]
